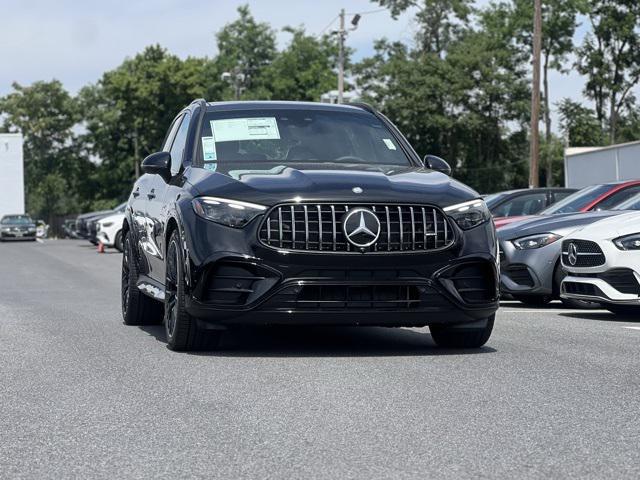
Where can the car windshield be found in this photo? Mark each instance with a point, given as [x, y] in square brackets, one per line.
[16, 220]
[632, 203]
[577, 201]
[494, 198]
[280, 137]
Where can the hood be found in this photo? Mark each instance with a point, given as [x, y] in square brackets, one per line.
[86, 216]
[116, 218]
[322, 182]
[561, 224]
[613, 227]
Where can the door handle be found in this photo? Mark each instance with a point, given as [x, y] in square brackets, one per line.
[136, 193]
[151, 195]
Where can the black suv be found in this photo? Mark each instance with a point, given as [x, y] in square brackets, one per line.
[306, 214]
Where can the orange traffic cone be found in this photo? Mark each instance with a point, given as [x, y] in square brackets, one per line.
[100, 247]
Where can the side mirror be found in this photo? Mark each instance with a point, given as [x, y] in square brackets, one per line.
[437, 164]
[158, 163]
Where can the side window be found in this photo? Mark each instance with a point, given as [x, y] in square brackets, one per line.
[171, 134]
[522, 205]
[561, 195]
[177, 148]
[618, 197]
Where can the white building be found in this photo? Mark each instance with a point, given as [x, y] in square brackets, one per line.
[588, 165]
[11, 174]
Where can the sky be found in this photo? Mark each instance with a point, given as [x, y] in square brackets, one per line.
[76, 41]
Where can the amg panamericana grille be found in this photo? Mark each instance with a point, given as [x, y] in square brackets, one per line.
[318, 227]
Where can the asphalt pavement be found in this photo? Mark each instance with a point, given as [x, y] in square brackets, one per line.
[554, 394]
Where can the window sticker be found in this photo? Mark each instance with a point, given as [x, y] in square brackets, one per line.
[390, 145]
[212, 166]
[262, 128]
[209, 149]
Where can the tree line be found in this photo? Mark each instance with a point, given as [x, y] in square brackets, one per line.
[460, 89]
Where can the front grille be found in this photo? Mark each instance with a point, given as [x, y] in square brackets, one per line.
[475, 283]
[622, 279]
[318, 227]
[235, 283]
[519, 274]
[589, 253]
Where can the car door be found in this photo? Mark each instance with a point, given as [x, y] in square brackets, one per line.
[158, 197]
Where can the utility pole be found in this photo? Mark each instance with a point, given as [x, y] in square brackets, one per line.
[535, 96]
[341, 35]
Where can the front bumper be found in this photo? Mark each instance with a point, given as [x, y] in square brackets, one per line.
[17, 235]
[528, 272]
[234, 279]
[617, 281]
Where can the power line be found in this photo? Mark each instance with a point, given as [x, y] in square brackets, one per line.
[369, 12]
[328, 25]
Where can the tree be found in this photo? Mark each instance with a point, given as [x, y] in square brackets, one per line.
[57, 170]
[580, 125]
[248, 47]
[303, 70]
[130, 109]
[610, 58]
[559, 22]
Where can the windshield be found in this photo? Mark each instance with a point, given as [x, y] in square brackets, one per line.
[632, 203]
[279, 137]
[577, 201]
[16, 220]
[494, 198]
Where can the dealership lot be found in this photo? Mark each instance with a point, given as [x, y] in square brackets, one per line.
[554, 393]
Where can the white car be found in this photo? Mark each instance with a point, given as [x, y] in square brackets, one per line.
[603, 263]
[109, 230]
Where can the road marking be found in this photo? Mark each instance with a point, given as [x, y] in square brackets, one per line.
[548, 310]
[632, 328]
[39, 240]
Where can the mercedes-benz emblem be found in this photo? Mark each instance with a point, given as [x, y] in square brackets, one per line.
[361, 227]
[572, 253]
[357, 190]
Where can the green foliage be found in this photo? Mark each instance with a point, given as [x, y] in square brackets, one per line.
[580, 125]
[57, 170]
[610, 58]
[129, 110]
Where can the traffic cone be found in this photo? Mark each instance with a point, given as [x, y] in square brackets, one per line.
[100, 247]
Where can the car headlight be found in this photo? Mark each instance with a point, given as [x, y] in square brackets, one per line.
[232, 213]
[535, 241]
[6, 229]
[628, 242]
[469, 214]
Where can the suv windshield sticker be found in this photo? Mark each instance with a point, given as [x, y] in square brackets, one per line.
[259, 128]
[209, 149]
[390, 145]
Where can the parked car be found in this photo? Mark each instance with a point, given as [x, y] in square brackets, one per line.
[603, 264]
[525, 201]
[307, 214]
[595, 197]
[110, 231]
[17, 227]
[87, 224]
[530, 268]
[69, 229]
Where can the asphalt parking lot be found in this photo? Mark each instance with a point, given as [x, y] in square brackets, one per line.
[555, 393]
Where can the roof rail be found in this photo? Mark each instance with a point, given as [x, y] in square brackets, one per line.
[199, 101]
[362, 105]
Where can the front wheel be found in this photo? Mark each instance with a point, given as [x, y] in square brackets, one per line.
[460, 337]
[181, 328]
[118, 241]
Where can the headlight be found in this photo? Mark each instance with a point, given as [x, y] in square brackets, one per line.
[469, 214]
[535, 241]
[6, 229]
[232, 213]
[105, 225]
[628, 242]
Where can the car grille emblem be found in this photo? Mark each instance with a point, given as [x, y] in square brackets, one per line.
[572, 253]
[361, 227]
[356, 190]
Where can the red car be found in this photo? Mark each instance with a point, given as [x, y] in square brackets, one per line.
[602, 196]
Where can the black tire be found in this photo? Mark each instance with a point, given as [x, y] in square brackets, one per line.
[118, 241]
[534, 300]
[449, 337]
[624, 310]
[181, 328]
[137, 308]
